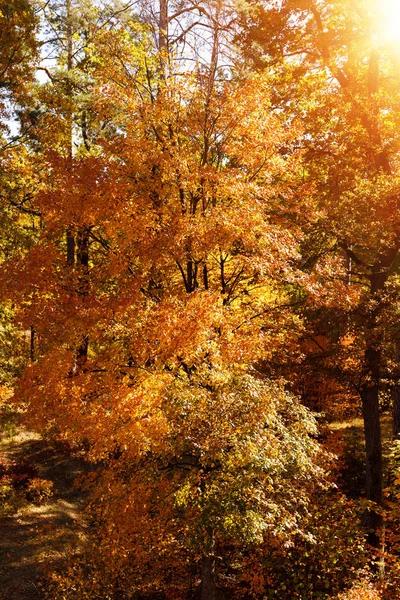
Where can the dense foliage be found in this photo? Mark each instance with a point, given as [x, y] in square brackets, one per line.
[200, 247]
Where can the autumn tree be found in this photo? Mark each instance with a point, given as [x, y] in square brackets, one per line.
[332, 58]
[18, 57]
[190, 199]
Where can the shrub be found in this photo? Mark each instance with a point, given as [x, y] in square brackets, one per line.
[23, 471]
[39, 490]
[8, 497]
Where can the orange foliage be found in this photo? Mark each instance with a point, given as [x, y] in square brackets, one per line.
[187, 208]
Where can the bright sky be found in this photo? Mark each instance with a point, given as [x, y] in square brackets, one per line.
[390, 20]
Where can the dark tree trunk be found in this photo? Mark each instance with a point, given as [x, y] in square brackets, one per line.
[70, 246]
[395, 391]
[208, 567]
[82, 352]
[208, 577]
[83, 265]
[370, 407]
[396, 410]
[83, 261]
[32, 344]
[205, 277]
[191, 276]
[373, 443]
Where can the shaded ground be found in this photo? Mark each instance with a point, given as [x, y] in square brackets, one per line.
[34, 536]
[37, 537]
[351, 449]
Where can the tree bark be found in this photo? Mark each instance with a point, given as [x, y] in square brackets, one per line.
[370, 407]
[83, 265]
[208, 577]
[396, 410]
[70, 230]
[208, 566]
[70, 247]
[70, 236]
[373, 442]
[395, 390]
[32, 344]
[163, 37]
[163, 27]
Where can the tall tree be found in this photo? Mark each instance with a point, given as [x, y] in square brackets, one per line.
[18, 222]
[190, 201]
[351, 116]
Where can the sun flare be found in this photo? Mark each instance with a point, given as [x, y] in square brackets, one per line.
[389, 11]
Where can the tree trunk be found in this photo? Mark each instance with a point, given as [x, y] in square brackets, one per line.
[370, 407]
[208, 577]
[83, 265]
[208, 567]
[70, 247]
[396, 410]
[83, 260]
[70, 236]
[395, 391]
[373, 443]
[163, 27]
[32, 345]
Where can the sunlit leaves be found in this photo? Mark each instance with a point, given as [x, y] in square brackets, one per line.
[189, 192]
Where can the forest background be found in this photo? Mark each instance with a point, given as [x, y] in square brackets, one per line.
[200, 237]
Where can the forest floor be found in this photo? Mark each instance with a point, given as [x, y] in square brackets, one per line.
[35, 535]
[350, 446]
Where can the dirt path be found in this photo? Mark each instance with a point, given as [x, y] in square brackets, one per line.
[35, 537]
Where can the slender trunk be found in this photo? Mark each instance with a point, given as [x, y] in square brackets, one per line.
[77, 239]
[32, 345]
[205, 276]
[70, 236]
[83, 260]
[83, 282]
[395, 391]
[70, 246]
[208, 569]
[191, 276]
[163, 37]
[373, 442]
[163, 26]
[396, 410]
[372, 427]
[208, 578]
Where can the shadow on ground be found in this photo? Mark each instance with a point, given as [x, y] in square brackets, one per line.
[38, 537]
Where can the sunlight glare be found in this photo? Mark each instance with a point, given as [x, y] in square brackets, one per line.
[390, 20]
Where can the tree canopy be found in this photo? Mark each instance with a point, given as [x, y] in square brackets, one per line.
[199, 272]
